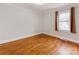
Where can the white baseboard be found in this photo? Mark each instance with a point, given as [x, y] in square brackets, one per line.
[18, 38]
[63, 38]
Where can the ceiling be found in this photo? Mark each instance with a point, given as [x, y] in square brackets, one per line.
[40, 7]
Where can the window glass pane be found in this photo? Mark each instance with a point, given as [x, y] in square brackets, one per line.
[64, 15]
[64, 20]
[64, 26]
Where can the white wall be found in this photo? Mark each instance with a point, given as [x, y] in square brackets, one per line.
[49, 24]
[16, 22]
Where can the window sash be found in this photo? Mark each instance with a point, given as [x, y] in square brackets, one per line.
[66, 19]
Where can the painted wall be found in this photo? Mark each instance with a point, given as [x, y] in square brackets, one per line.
[16, 22]
[49, 24]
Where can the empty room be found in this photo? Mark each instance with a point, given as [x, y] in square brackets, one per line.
[39, 28]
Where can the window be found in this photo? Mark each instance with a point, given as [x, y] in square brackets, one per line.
[64, 20]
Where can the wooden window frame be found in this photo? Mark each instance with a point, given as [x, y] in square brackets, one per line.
[73, 27]
[56, 18]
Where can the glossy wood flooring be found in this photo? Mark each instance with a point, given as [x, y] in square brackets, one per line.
[39, 45]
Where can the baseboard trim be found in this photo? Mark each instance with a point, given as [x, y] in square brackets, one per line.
[63, 38]
[18, 38]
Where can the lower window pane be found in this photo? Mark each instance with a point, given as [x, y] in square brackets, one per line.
[64, 26]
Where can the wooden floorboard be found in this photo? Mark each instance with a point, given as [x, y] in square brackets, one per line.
[41, 44]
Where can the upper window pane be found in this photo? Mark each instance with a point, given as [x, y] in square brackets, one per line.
[64, 16]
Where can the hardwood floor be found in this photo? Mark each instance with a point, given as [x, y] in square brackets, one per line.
[41, 44]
